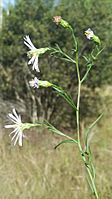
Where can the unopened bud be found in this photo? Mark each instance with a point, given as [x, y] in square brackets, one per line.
[44, 83]
[96, 39]
[62, 22]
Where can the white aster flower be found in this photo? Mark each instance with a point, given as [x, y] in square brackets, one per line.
[34, 83]
[89, 33]
[33, 53]
[17, 126]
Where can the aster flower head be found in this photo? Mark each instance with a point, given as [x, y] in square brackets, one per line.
[17, 126]
[89, 33]
[36, 83]
[57, 19]
[33, 53]
[91, 36]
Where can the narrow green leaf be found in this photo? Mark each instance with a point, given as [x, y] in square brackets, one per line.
[90, 66]
[65, 95]
[65, 141]
[89, 130]
[56, 131]
[90, 184]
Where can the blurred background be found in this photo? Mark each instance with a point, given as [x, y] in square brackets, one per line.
[37, 170]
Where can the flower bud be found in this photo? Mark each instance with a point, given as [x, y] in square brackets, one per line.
[62, 22]
[44, 83]
[96, 39]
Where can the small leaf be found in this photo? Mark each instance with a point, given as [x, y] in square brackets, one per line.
[65, 95]
[56, 131]
[89, 130]
[66, 141]
[89, 68]
[90, 184]
[85, 58]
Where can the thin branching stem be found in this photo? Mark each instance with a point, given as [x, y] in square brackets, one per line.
[88, 168]
[78, 102]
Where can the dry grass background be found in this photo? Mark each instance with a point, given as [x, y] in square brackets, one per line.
[37, 171]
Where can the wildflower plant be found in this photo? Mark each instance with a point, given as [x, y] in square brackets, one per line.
[33, 54]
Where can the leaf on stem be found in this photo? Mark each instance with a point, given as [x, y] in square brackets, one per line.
[90, 184]
[56, 131]
[65, 141]
[89, 131]
[92, 169]
[58, 50]
[89, 68]
[65, 95]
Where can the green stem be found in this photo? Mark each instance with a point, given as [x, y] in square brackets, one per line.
[91, 177]
[78, 127]
[93, 183]
[78, 102]
[74, 38]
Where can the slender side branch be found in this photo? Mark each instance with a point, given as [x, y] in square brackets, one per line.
[58, 50]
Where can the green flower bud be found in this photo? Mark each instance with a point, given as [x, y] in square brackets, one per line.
[44, 83]
[62, 22]
[96, 39]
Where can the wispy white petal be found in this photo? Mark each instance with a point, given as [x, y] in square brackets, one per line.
[20, 139]
[15, 135]
[13, 132]
[35, 65]
[34, 83]
[31, 61]
[17, 138]
[27, 42]
[10, 126]
[15, 113]
[12, 117]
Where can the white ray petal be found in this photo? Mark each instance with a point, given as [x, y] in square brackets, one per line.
[28, 45]
[12, 117]
[15, 135]
[15, 113]
[10, 126]
[31, 61]
[35, 65]
[16, 139]
[13, 132]
[20, 138]
[28, 42]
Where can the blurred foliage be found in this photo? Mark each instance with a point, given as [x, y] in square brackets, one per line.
[34, 18]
